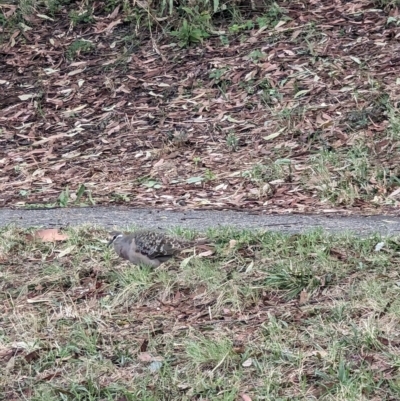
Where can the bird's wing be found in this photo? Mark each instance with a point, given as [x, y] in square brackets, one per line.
[155, 245]
[151, 244]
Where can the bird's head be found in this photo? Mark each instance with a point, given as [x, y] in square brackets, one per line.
[115, 236]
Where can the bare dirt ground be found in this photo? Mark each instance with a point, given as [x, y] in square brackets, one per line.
[291, 108]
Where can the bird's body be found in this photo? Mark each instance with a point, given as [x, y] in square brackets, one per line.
[146, 247]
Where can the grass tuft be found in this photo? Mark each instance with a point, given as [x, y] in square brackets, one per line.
[269, 315]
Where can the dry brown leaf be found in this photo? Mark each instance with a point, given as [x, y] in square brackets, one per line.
[328, 104]
[10, 365]
[245, 397]
[144, 357]
[206, 253]
[50, 235]
[304, 297]
[6, 354]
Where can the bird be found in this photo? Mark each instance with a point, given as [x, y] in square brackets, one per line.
[146, 247]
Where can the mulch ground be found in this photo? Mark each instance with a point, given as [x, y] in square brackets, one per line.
[134, 118]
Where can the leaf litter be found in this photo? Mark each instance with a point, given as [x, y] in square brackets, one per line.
[206, 126]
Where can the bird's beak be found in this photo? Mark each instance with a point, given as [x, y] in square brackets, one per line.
[110, 242]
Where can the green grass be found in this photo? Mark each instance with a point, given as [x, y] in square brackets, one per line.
[271, 316]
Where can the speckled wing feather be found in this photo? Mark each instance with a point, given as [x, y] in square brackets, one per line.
[156, 245]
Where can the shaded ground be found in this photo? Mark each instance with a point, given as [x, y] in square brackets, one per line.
[292, 107]
[201, 220]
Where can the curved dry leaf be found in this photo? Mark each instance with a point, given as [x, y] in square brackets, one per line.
[205, 253]
[50, 235]
[247, 363]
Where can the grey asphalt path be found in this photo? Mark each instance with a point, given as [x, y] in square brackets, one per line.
[123, 217]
